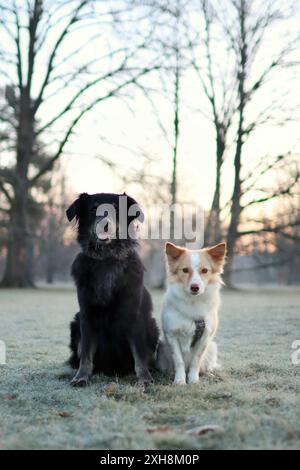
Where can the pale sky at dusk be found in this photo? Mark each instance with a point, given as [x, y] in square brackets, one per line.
[139, 132]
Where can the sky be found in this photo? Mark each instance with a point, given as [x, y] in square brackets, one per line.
[123, 130]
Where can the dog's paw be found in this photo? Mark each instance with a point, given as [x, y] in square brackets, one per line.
[79, 382]
[179, 381]
[193, 379]
[145, 378]
[144, 381]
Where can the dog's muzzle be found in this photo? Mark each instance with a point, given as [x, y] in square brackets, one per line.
[105, 229]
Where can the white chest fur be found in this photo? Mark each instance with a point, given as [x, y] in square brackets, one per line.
[181, 311]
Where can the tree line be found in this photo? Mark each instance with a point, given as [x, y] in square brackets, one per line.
[122, 48]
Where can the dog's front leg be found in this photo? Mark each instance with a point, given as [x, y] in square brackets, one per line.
[198, 353]
[178, 361]
[88, 349]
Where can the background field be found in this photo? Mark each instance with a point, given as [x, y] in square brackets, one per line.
[254, 400]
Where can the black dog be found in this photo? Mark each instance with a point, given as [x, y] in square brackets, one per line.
[114, 332]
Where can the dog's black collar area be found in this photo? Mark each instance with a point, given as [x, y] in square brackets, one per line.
[199, 330]
[109, 251]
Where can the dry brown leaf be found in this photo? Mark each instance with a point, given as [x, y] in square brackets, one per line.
[111, 388]
[202, 430]
[10, 397]
[159, 429]
[64, 414]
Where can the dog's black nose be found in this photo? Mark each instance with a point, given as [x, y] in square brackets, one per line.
[195, 288]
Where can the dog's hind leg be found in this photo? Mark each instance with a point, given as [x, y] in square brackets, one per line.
[88, 348]
[143, 338]
[209, 362]
[140, 364]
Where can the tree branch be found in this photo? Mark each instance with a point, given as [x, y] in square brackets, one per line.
[55, 49]
[7, 175]
[82, 90]
[277, 229]
[265, 265]
[18, 46]
[32, 27]
[282, 192]
[74, 123]
[5, 192]
[290, 236]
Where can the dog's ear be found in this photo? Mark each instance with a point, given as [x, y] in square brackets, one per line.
[134, 210]
[218, 253]
[75, 208]
[173, 251]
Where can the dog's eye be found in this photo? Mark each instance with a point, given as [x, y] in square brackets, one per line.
[186, 270]
[204, 271]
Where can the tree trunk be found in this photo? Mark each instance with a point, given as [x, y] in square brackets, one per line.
[50, 272]
[51, 243]
[18, 272]
[176, 125]
[236, 207]
[213, 233]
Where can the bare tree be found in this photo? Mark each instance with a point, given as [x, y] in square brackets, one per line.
[274, 246]
[53, 229]
[250, 37]
[177, 79]
[57, 66]
[172, 45]
[168, 41]
[233, 79]
[220, 93]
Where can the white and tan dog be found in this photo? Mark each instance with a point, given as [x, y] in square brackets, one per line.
[190, 312]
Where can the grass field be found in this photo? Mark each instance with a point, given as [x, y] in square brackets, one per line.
[253, 402]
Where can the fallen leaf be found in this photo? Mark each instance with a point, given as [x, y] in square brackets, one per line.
[10, 397]
[111, 388]
[202, 430]
[159, 429]
[64, 414]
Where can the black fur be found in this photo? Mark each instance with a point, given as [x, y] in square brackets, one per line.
[199, 330]
[114, 332]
